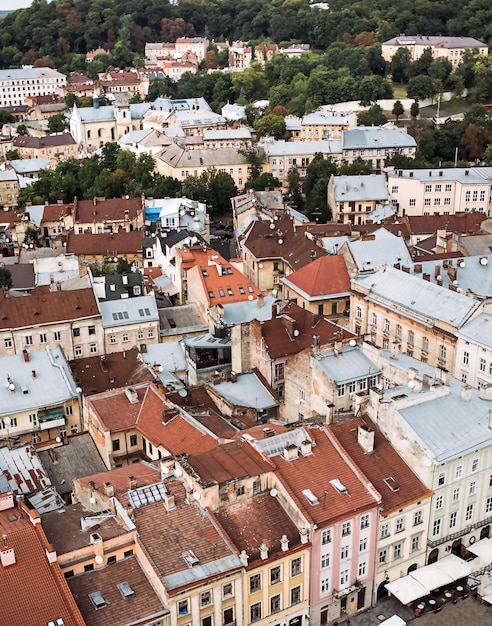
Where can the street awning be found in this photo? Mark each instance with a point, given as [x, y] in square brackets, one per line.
[482, 549]
[407, 589]
[394, 620]
[432, 577]
[453, 566]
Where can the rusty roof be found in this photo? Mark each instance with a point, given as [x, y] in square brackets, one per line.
[107, 210]
[105, 244]
[45, 307]
[141, 604]
[460, 223]
[383, 463]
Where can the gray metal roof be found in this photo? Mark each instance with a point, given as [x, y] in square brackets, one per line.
[335, 118]
[353, 188]
[247, 391]
[207, 341]
[201, 571]
[468, 175]
[376, 137]
[478, 330]
[229, 133]
[28, 71]
[435, 40]
[170, 355]
[129, 311]
[52, 385]
[350, 364]
[275, 148]
[333, 244]
[385, 249]
[24, 468]
[473, 273]
[241, 312]
[26, 166]
[418, 298]
[450, 426]
[271, 446]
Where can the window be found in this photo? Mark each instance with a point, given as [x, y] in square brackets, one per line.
[437, 201]
[472, 489]
[116, 445]
[256, 487]
[363, 384]
[92, 330]
[398, 331]
[295, 595]
[140, 334]
[325, 561]
[112, 339]
[227, 590]
[275, 604]
[183, 608]
[415, 543]
[412, 202]
[93, 348]
[447, 187]
[77, 351]
[358, 313]
[459, 472]
[28, 340]
[411, 338]
[441, 478]
[125, 337]
[482, 365]
[442, 353]
[363, 545]
[33, 418]
[447, 202]
[68, 411]
[240, 491]
[364, 522]
[325, 585]
[7, 342]
[255, 612]
[452, 519]
[254, 583]
[344, 578]
[456, 494]
[467, 196]
[374, 319]
[362, 569]
[279, 371]
[352, 387]
[344, 553]
[488, 505]
[428, 188]
[386, 326]
[341, 390]
[346, 529]
[57, 335]
[275, 575]
[469, 512]
[438, 188]
[400, 525]
[436, 527]
[466, 357]
[427, 202]
[384, 531]
[383, 555]
[133, 440]
[326, 537]
[295, 566]
[474, 466]
[439, 501]
[43, 338]
[205, 598]
[397, 551]
[150, 333]
[76, 332]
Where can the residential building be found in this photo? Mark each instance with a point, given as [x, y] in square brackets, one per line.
[106, 247]
[295, 50]
[196, 45]
[445, 191]
[145, 141]
[321, 125]
[321, 287]
[187, 116]
[375, 144]
[423, 227]
[451, 48]
[108, 215]
[264, 52]
[172, 214]
[262, 205]
[44, 107]
[240, 56]
[39, 398]
[374, 250]
[57, 147]
[234, 112]
[9, 188]
[69, 319]
[17, 84]
[123, 81]
[394, 307]
[474, 353]
[352, 198]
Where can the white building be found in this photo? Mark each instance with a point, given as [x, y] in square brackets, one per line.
[451, 48]
[474, 352]
[18, 84]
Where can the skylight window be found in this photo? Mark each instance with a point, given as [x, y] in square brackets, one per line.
[340, 487]
[190, 558]
[125, 589]
[250, 289]
[312, 499]
[97, 600]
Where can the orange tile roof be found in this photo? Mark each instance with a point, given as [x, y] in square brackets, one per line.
[325, 276]
[144, 604]
[260, 519]
[229, 461]
[172, 431]
[54, 212]
[47, 308]
[34, 592]
[314, 472]
[104, 244]
[144, 473]
[383, 463]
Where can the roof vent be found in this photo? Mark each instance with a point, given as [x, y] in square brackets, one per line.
[390, 482]
[339, 486]
[190, 558]
[97, 600]
[125, 589]
[131, 394]
[311, 498]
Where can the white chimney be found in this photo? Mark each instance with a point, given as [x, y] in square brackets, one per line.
[263, 552]
[7, 554]
[466, 392]
[169, 501]
[365, 439]
[244, 557]
[284, 543]
[306, 447]
[109, 489]
[131, 394]
[291, 452]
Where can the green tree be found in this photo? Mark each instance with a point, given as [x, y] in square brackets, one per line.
[270, 125]
[158, 87]
[22, 129]
[421, 87]
[400, 65]
[5, 278]
[264, 181]
[12, 155]
[372, 117]
[57, 123]
[414, 109]
[255, 158]
[397, 109]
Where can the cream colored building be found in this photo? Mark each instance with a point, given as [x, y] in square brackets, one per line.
[451, 48]
[17, 84]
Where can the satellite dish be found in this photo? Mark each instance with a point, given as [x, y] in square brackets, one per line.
[58, 439]
[274, 293]
[12, 387]
[183, 393]
[352, 343]
[92, 500]
[411, 384]
[427, 463]
[280, 241]
[272, 225]
[197, 495]
[462, 264]
[484, 260]
[79, 390]
[178, 472]
[260, 265]
[165, 469]
[273, 492]
[250, 297]
[98, 559]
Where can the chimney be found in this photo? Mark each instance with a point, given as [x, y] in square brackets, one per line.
[7, 555]
[394, 350]
[131, 394]
[33, 373]
[426, 277]
[417, 268]
[284, 543]
[132, 482]
[25, 354]
[437, 271]
[405, 269]
[243, 557]
[50, 553]
[260, 300]
[263, 552]
[169, 501]
[452, 273]
[289, 323]
[365, 439]
[109, 489]
[304, 536]
[291, 452]
[485, 392]
[439, 280]
[306, 447]
[466, 392]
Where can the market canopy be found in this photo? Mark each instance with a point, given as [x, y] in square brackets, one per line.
[407, 589]
[453, 566]
[482, 549]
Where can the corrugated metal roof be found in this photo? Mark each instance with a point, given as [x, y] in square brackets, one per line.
[349, 365]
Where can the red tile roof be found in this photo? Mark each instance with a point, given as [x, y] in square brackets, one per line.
[119, 610]
[34, 592]
[54, 212]
[105, 244]
[325, 276]
[47, 308]
[260, 519]
[108, 210]
[460, 223]
[381, 464]
[144, 473]
[153, 417]
[226, 462]
[314, 472]
[280, 335]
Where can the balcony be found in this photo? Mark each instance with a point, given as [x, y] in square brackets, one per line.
[51, 418]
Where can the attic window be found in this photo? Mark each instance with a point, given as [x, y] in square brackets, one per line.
[190, 558]
[338, 486]
[204, 272]
[390, 482]
[97, 600]
[229, 270]
[125, 589]
[58, 622]
[250, 289]
[312, 499]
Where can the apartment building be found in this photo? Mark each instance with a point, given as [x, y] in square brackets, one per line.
[451, 48]
[375, 144]
[17, 84]
[353, 198]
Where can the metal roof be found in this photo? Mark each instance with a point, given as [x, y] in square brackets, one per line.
[201, 571]
[478, 330]
[376, 137]
[271, 446]
[468, 175]
[246, 311]
[248, 391]
[129, 311]
[385, 249]
[349, 365]
[207, 341]
[352, 188]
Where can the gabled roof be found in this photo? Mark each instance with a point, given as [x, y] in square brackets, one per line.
[324, 277]
[107, 210]
[382, 248]
[360, 188]
[438, 41]
[383, 463]
[42, 307]
[137, 310]
[104, 244]
[377, 137]
[50, 141]
[460, 223]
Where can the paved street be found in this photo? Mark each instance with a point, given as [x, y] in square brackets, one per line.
[467, 612]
